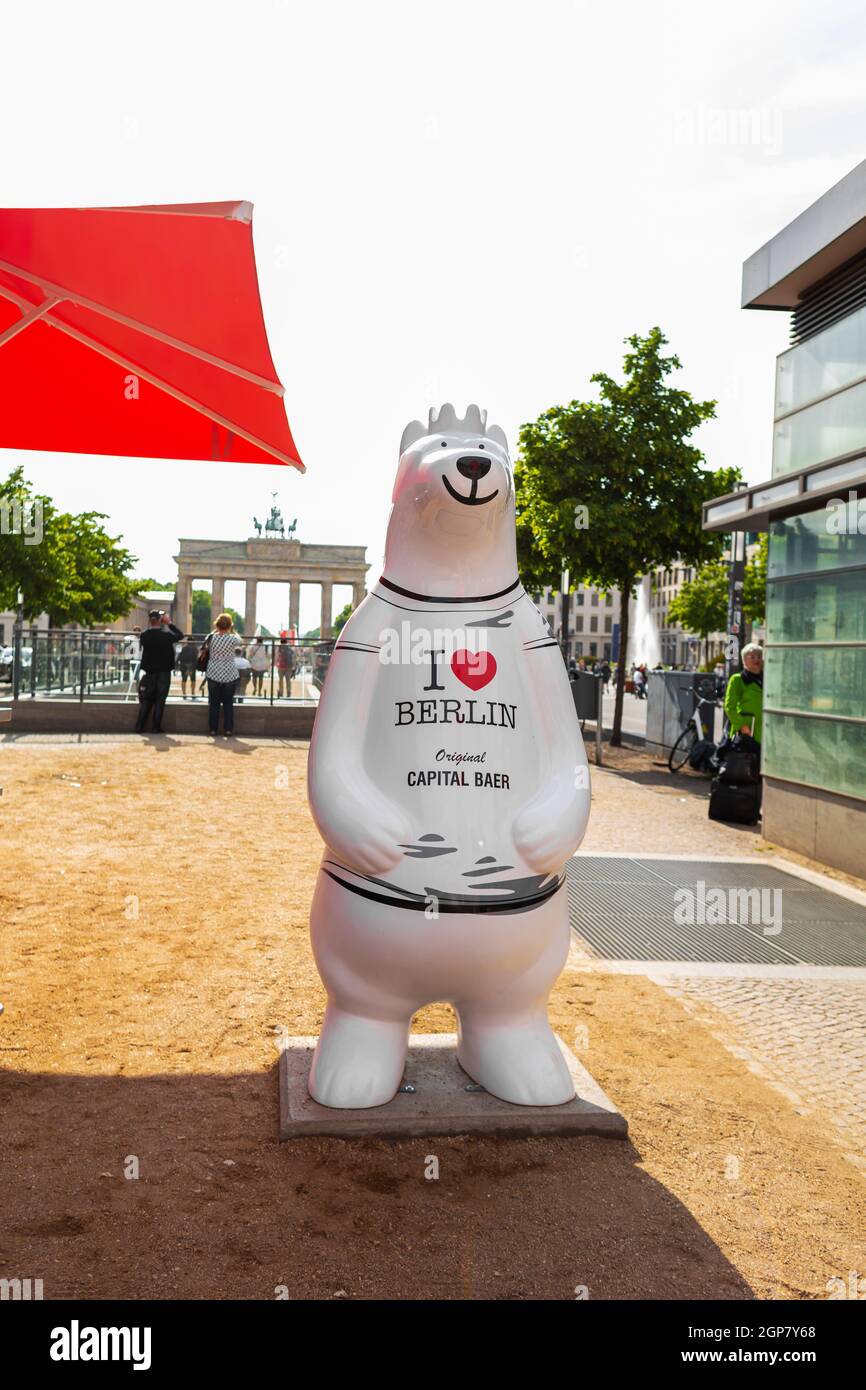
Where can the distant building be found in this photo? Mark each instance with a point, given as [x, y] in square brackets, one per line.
[7, 626]
[678, 647]
[593, 620]
[143, 603]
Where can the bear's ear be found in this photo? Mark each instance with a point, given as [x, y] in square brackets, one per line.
[497, 433]
[413, 432]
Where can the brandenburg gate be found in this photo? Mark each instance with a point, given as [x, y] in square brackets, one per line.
[268, 561]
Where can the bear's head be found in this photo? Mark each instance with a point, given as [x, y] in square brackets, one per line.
[451, 529]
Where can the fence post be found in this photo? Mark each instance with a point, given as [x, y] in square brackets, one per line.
[599, 719]
[81, 670]
[16, 658]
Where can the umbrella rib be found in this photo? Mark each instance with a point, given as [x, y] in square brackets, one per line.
[59, 292]
[170, 390]
[35, 312]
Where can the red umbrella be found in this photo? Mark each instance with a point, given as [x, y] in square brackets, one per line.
[137, 331]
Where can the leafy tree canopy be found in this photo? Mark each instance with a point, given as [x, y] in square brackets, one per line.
[701, 606]
[203, 617]
[64, 564]
[612, 488]
[755, 583]
[342, 618]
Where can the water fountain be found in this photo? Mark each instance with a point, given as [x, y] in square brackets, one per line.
[645, 648]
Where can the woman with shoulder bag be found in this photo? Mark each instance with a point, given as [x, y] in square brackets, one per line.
[222, 675]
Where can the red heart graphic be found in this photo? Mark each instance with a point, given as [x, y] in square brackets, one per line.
[475, 669]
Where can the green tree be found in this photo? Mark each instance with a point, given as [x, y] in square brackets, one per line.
[200, 611]
[146, 586]
[611, 488]
[203, 618]
[701, 606]
[342, 618]
[755, 584]
[63, 564]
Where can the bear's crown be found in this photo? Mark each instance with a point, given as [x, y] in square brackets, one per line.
[445, 420]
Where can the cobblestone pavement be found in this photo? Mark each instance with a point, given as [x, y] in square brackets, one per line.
[802, 1029]
[805, 1037]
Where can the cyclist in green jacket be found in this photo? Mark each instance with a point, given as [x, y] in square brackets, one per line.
[745, 695]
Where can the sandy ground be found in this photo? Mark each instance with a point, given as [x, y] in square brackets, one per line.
[154, 946]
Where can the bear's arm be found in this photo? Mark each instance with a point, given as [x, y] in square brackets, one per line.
[360, 825]
[551, 826]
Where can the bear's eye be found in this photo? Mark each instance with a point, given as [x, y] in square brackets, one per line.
[444, 443]
[481, 446]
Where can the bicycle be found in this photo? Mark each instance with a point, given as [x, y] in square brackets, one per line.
[699, 729]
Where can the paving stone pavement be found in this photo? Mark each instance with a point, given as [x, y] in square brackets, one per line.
[806, 1037]
[802, 1029]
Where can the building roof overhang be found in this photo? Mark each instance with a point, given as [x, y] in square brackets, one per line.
[817, 242]
[757, 506]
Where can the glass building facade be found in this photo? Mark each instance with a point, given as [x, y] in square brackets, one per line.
[820, 401]
[815, 681]
[813, 508]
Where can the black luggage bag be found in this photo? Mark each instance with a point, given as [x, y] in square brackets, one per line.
[739, 759]
[735, 802]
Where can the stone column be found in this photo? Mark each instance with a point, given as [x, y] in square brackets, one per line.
[327, 605]
[295, 604]
[250, 607]
[358, 592]
[183, 605]
[218, 598]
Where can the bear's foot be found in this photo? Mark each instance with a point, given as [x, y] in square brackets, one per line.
[359, 1061]
[518, 1060]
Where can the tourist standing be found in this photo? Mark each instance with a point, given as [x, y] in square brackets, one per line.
[284, 664]
[157, 663]
[188, 667]
[258, 659]
[744, 697]
[222, 675]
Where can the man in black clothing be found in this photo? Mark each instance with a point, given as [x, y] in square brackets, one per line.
[157, 663]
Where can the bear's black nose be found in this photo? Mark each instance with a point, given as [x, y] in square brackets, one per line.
[473, 467]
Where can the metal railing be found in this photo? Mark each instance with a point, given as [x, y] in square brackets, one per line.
[81, 664]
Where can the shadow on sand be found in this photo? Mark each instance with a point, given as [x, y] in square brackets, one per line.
[221, 1209]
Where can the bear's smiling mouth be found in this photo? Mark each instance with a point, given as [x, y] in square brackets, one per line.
[473, 500]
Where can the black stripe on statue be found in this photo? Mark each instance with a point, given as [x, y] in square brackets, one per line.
[434, 598]
[508, 905]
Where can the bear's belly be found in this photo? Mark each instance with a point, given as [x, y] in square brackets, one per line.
[455, 745]
[361, 943]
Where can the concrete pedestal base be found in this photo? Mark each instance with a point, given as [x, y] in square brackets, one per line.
[440, 1102]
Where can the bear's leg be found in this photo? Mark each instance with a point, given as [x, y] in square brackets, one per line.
[514, 1056]
[359, 1060]
[505, 1041]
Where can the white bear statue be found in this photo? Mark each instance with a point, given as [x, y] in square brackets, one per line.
[448, 778]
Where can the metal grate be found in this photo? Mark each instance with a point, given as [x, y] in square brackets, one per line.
[830, 300]
[628, 909]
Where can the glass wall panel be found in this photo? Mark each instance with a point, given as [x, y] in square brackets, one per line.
[822, 608]
[831, 359]
[819, 752]
[828, 680]
[821, 431]
[803, 543]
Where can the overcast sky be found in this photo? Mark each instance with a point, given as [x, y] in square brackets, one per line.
[453, 201]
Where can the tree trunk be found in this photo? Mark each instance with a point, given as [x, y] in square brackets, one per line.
[624, 598]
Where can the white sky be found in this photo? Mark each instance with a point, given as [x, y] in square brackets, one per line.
[471, 200]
